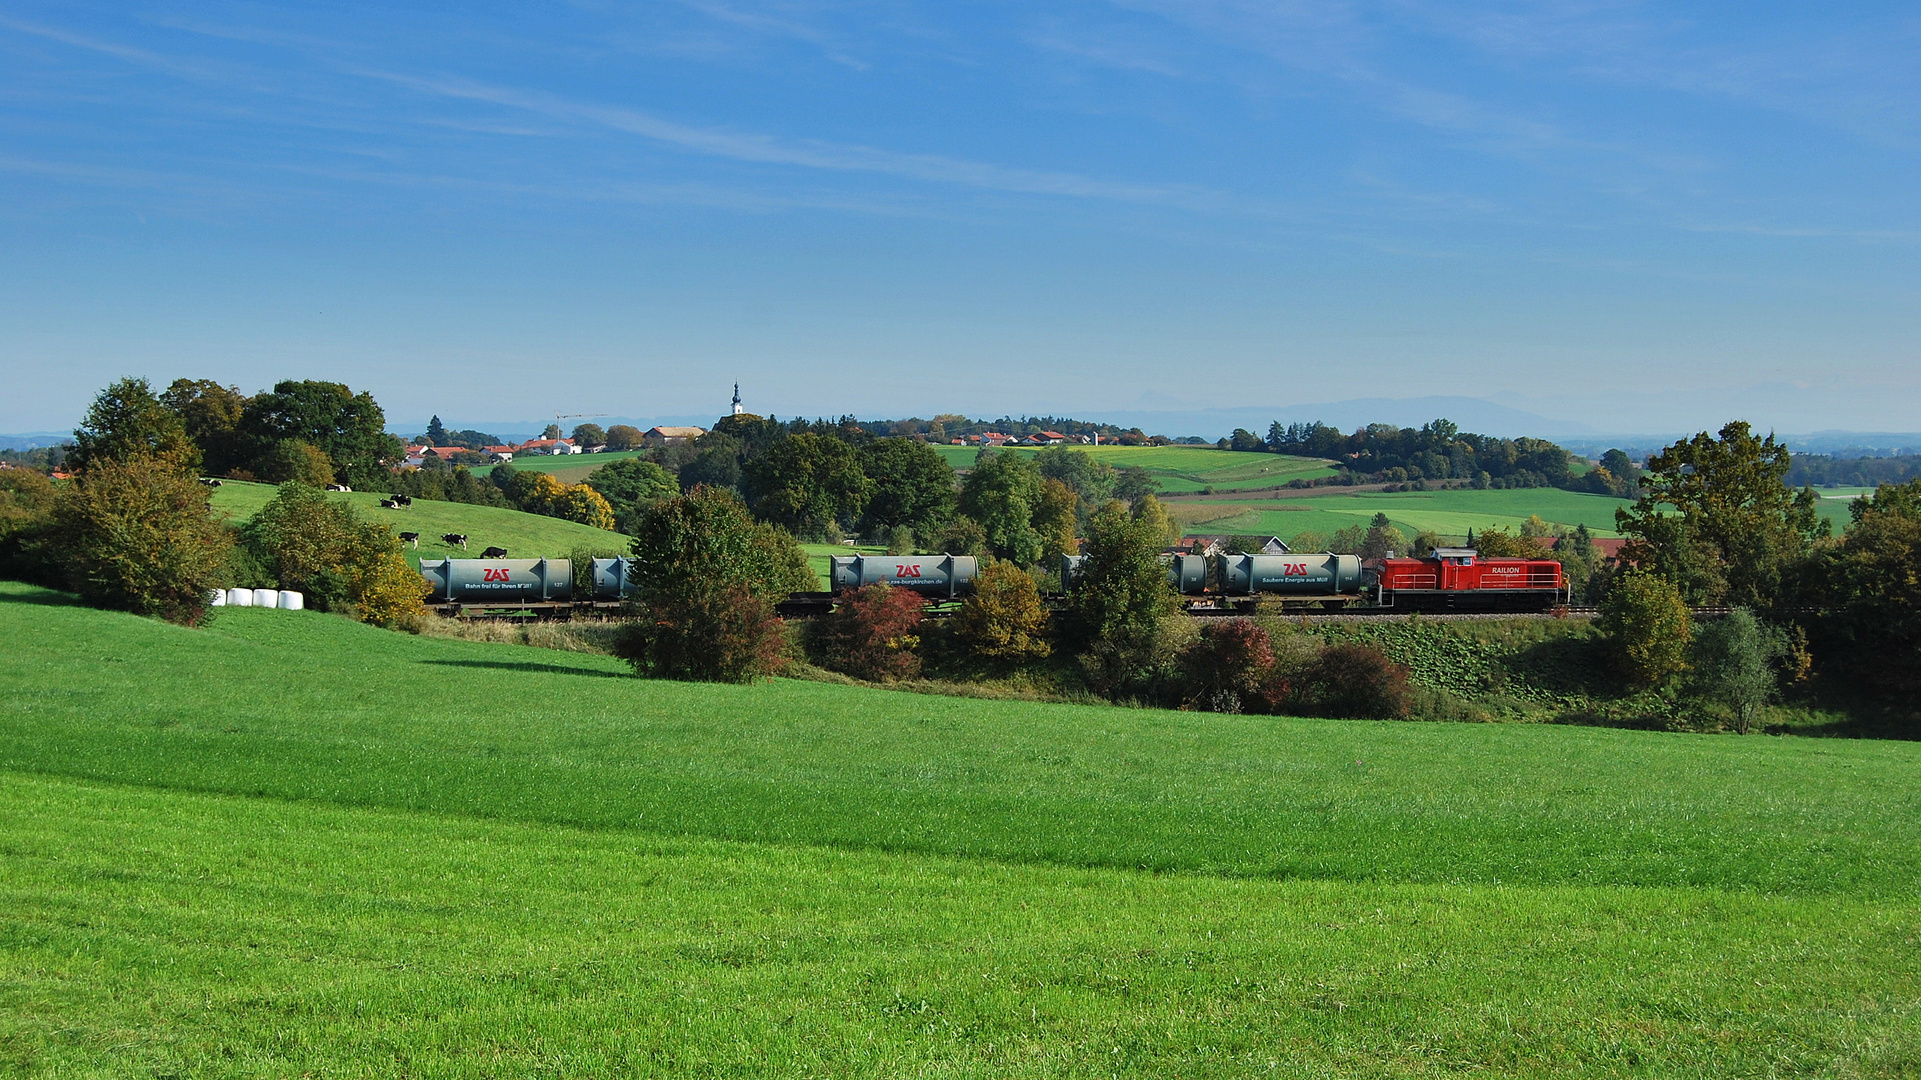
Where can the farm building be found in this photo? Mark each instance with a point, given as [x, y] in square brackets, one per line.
[672, 436]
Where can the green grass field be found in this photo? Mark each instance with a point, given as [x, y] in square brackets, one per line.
[289, 844]
[1185, 468]
[568, 469]
[1450, 513]
[525, 536]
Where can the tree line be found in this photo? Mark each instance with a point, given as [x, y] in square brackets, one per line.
[1439, 452]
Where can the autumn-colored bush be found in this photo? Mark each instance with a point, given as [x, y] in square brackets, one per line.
[720, 634]
[1227, 665]
[138, 535]
[1647, 627]
[306, 541]
[386, 590]
[1004, 619]
[1357, 681]
[29, 550]
[872, 634]
[569, 502]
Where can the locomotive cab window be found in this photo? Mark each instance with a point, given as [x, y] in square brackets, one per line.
[1456, 556]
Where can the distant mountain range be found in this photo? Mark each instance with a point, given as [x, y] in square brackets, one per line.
[34, 439]
[1469, 414]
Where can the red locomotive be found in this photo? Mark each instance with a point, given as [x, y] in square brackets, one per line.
[1459, 579]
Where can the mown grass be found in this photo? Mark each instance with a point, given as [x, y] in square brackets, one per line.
[525, 536]
[289, 844]
[566, 468]
[1450, 513]
[163, 933]
[1184, 468]
[311, 706]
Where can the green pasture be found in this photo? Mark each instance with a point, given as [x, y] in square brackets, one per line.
[289, 844]
[1450, 513]
[567, 468]
[525, 536]
[1184, 468]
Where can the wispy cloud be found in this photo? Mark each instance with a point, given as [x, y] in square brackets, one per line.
[809, 153]
[760, 22]
[143, 57]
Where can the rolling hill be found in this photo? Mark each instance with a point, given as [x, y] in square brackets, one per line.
[525, 536]
[1185, 468]
[291, 844]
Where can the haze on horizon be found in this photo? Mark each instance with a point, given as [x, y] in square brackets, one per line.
[1641, 217]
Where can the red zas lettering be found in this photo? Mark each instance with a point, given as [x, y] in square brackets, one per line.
[493, 573]
[902, 570]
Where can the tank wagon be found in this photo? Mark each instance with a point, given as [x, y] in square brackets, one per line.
[1452, 579]
[1321, 574]
[536, 585]
[499, 581]
[944, 576]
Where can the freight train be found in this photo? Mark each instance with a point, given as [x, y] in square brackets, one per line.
[1451, 579]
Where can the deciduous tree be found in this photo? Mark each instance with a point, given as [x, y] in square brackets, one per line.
[1867, 623]
[1055, 516]
[1000, 493]
[805, 483]
[1120, 599]
[1647, 628]
[349, 428]
[125, 422]
[706, 577]
[1004, 619]
[1730, 495]
[1731, 662]
[211, 415]
[913, 487]
[139, 536]
[624, 437]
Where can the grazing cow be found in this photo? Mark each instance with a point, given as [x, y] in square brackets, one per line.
[494, 553]
[458, 540]
[338, 487]
[389, 504]
[210, 481]
[403, 500]
[412, 540]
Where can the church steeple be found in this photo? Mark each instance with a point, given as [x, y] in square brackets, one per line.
[737, 407]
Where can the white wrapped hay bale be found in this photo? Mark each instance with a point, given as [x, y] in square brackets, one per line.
[266, 598]
[239, 597]
[292, 601]
[217, 598]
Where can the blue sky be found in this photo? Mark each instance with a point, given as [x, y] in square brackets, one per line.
[1641, 217]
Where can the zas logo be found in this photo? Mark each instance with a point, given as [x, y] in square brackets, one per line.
[906, 570]
[493, 573]
[1294, 569]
